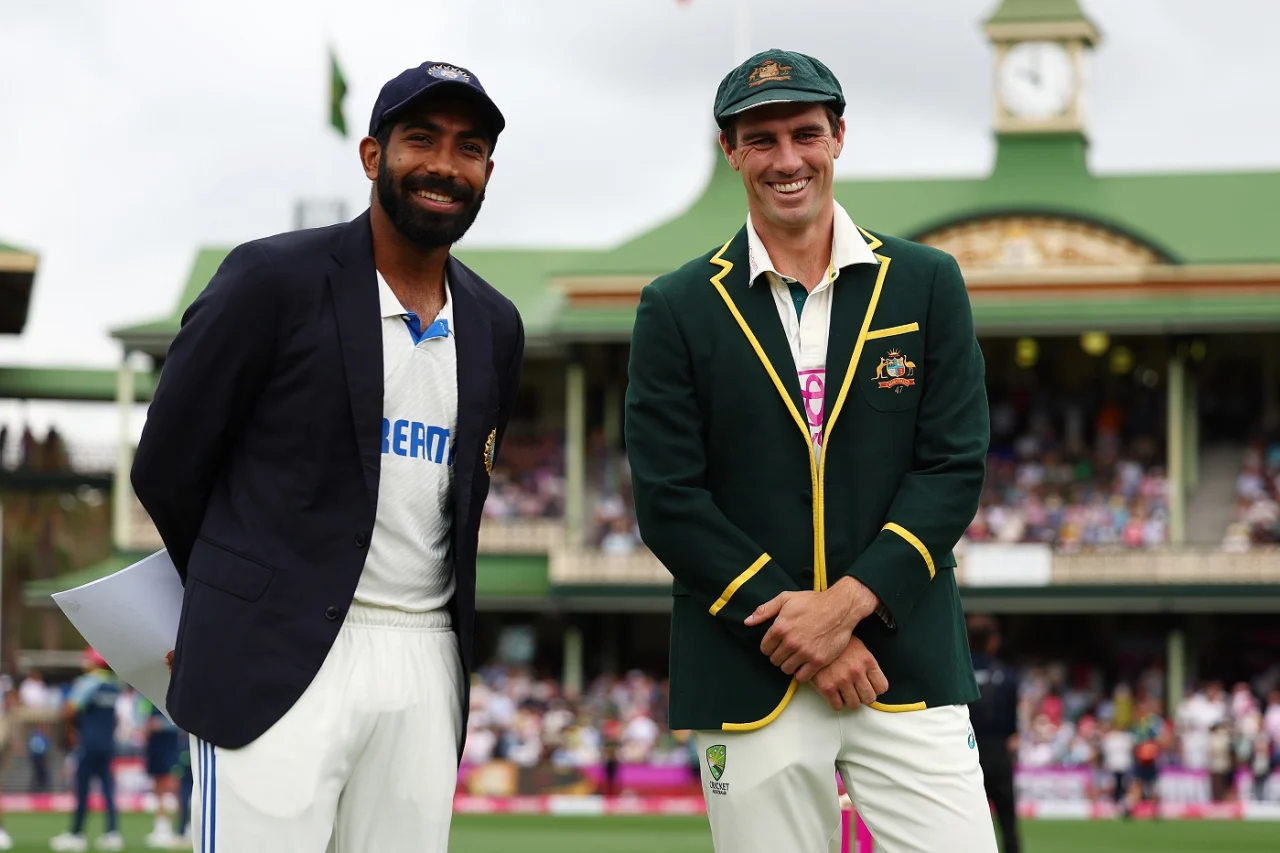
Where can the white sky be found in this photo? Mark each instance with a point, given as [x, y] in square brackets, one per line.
[134, 131]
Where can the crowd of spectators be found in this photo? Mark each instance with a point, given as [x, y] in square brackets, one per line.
[529, 720]
[1067, 719]
[1071, 722]
[1256, 518]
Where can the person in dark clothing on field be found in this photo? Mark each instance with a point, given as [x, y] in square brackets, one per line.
[995, 724]
[91, 715]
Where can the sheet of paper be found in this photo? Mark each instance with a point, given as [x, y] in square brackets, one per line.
[131, 619]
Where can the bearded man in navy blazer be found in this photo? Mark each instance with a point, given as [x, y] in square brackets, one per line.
[316, 459]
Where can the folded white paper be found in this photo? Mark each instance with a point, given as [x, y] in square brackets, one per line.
[131, 619]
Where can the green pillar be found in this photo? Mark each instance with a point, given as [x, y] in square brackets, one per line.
[1191, 433]
[575, 451]
[122, 489]
[1175, 671]
[1176, 423]
[612, 430]
[572, 680]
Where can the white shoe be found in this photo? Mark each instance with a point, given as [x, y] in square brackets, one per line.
[68, 843]
[111, 841]
[162, 836]
[6, 843]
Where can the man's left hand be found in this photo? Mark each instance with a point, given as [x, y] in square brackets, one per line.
[811, 629]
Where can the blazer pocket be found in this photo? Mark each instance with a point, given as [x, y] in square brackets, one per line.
[221, 568]
[890, 374]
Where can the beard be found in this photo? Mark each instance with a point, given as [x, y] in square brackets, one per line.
[424, 228]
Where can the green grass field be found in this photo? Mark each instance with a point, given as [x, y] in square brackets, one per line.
[537, 834]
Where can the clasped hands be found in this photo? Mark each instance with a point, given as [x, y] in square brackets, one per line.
[812, 639]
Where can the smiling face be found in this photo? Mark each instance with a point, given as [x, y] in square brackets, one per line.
[786, 154]
[431, 168]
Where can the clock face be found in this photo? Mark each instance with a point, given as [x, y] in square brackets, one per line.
[1037, 79]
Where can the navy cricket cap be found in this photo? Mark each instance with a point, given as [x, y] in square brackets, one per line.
[434, 79]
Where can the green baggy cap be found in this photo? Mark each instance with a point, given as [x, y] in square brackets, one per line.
[777, 77]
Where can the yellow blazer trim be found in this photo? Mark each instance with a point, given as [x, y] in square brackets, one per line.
[915, 543]
[819, 560]
[761, 723]
[872, 241]
[737, 582]
[898, 709]
[893, 330]
[820, 493]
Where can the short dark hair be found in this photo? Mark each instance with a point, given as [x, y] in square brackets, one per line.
[730, 127]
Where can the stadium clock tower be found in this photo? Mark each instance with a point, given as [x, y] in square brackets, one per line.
[1040, 66]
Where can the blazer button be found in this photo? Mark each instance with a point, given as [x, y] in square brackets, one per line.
[331, 613]
[361, 539]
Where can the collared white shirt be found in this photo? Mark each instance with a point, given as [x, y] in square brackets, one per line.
[410, 561]
[809, 330]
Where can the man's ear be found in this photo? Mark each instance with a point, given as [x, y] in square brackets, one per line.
[730, 153]
[370, 157]
[839, 146]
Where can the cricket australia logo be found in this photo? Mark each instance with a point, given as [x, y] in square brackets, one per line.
[895, 371]
[715, 763]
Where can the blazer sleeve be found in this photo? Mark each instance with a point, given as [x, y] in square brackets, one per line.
[215, 371]
[715, 561]
[938, 498]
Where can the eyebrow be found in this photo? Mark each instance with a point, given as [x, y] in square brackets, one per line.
[471, 133]
[757, 135]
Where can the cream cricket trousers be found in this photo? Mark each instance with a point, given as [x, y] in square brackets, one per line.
[913, 777]
[365, 761]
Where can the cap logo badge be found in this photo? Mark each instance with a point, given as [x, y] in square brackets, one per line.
[448, 72]
[768, 71]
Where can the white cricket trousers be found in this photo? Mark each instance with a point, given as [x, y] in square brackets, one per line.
[365, 762]
[913, 777]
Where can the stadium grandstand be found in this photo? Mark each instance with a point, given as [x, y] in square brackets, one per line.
[1128, 538]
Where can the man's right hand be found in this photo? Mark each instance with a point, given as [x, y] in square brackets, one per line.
[852, 679]
[168, 659]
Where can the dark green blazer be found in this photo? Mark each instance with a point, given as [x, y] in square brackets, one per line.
[731, 498]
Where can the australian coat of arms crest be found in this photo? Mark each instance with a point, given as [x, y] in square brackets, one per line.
[895, 371]
[768, 71]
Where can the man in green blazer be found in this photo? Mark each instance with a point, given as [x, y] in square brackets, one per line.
[807, 424]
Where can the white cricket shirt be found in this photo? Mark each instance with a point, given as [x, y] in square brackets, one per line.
[410, 561]
[809, 327]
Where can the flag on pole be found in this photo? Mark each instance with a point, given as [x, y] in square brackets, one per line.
[337, 92]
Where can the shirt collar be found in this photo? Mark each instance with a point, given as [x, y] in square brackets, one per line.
[390, 305]
[847, 248]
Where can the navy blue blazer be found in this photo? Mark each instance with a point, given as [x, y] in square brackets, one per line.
[260, 458]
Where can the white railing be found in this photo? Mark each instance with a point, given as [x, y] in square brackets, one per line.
[582, 567]
[521, 535]
[1185, 565]
[588, 566]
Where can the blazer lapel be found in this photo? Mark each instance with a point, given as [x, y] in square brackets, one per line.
[354, 286]
[855, 295]
[477, 419]
[756, 314]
